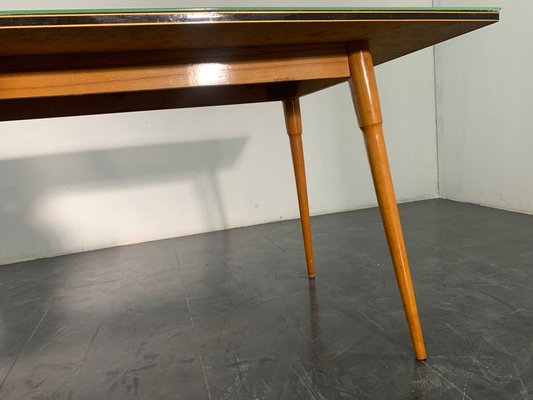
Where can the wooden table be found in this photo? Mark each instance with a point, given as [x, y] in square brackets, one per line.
[63, 63]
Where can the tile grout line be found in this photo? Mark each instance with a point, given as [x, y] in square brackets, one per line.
[24, 346]
[200, 358]
[446, 380]
[272, 241]
[77, 262]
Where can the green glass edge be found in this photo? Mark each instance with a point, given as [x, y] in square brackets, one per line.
[165, 10]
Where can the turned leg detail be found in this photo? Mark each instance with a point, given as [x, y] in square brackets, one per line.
[367, 106]
[293, 121]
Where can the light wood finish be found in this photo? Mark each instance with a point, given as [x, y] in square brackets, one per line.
[104, 103]
[44, 76]
[392, 33]
[368, 109]
[122, 60]
[293, 121]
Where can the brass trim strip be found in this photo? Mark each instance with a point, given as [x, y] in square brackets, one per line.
[237, 22]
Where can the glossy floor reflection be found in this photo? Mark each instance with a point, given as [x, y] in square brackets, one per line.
[231, 315]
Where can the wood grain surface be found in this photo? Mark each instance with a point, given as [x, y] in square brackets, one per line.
[41, 76]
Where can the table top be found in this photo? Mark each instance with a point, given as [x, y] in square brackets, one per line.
[246, 13]
[78, 62]
[392, 32]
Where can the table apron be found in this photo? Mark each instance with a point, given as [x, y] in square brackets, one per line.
[82, 74]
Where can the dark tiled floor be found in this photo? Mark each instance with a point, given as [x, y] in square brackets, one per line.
[231, 315]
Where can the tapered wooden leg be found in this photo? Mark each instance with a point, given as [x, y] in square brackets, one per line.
[293, 120]
[366, 101]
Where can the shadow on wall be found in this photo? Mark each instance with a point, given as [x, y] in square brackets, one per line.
[25, 181]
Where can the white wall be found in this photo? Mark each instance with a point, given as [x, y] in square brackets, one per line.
[82, 183]
[485, 110]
